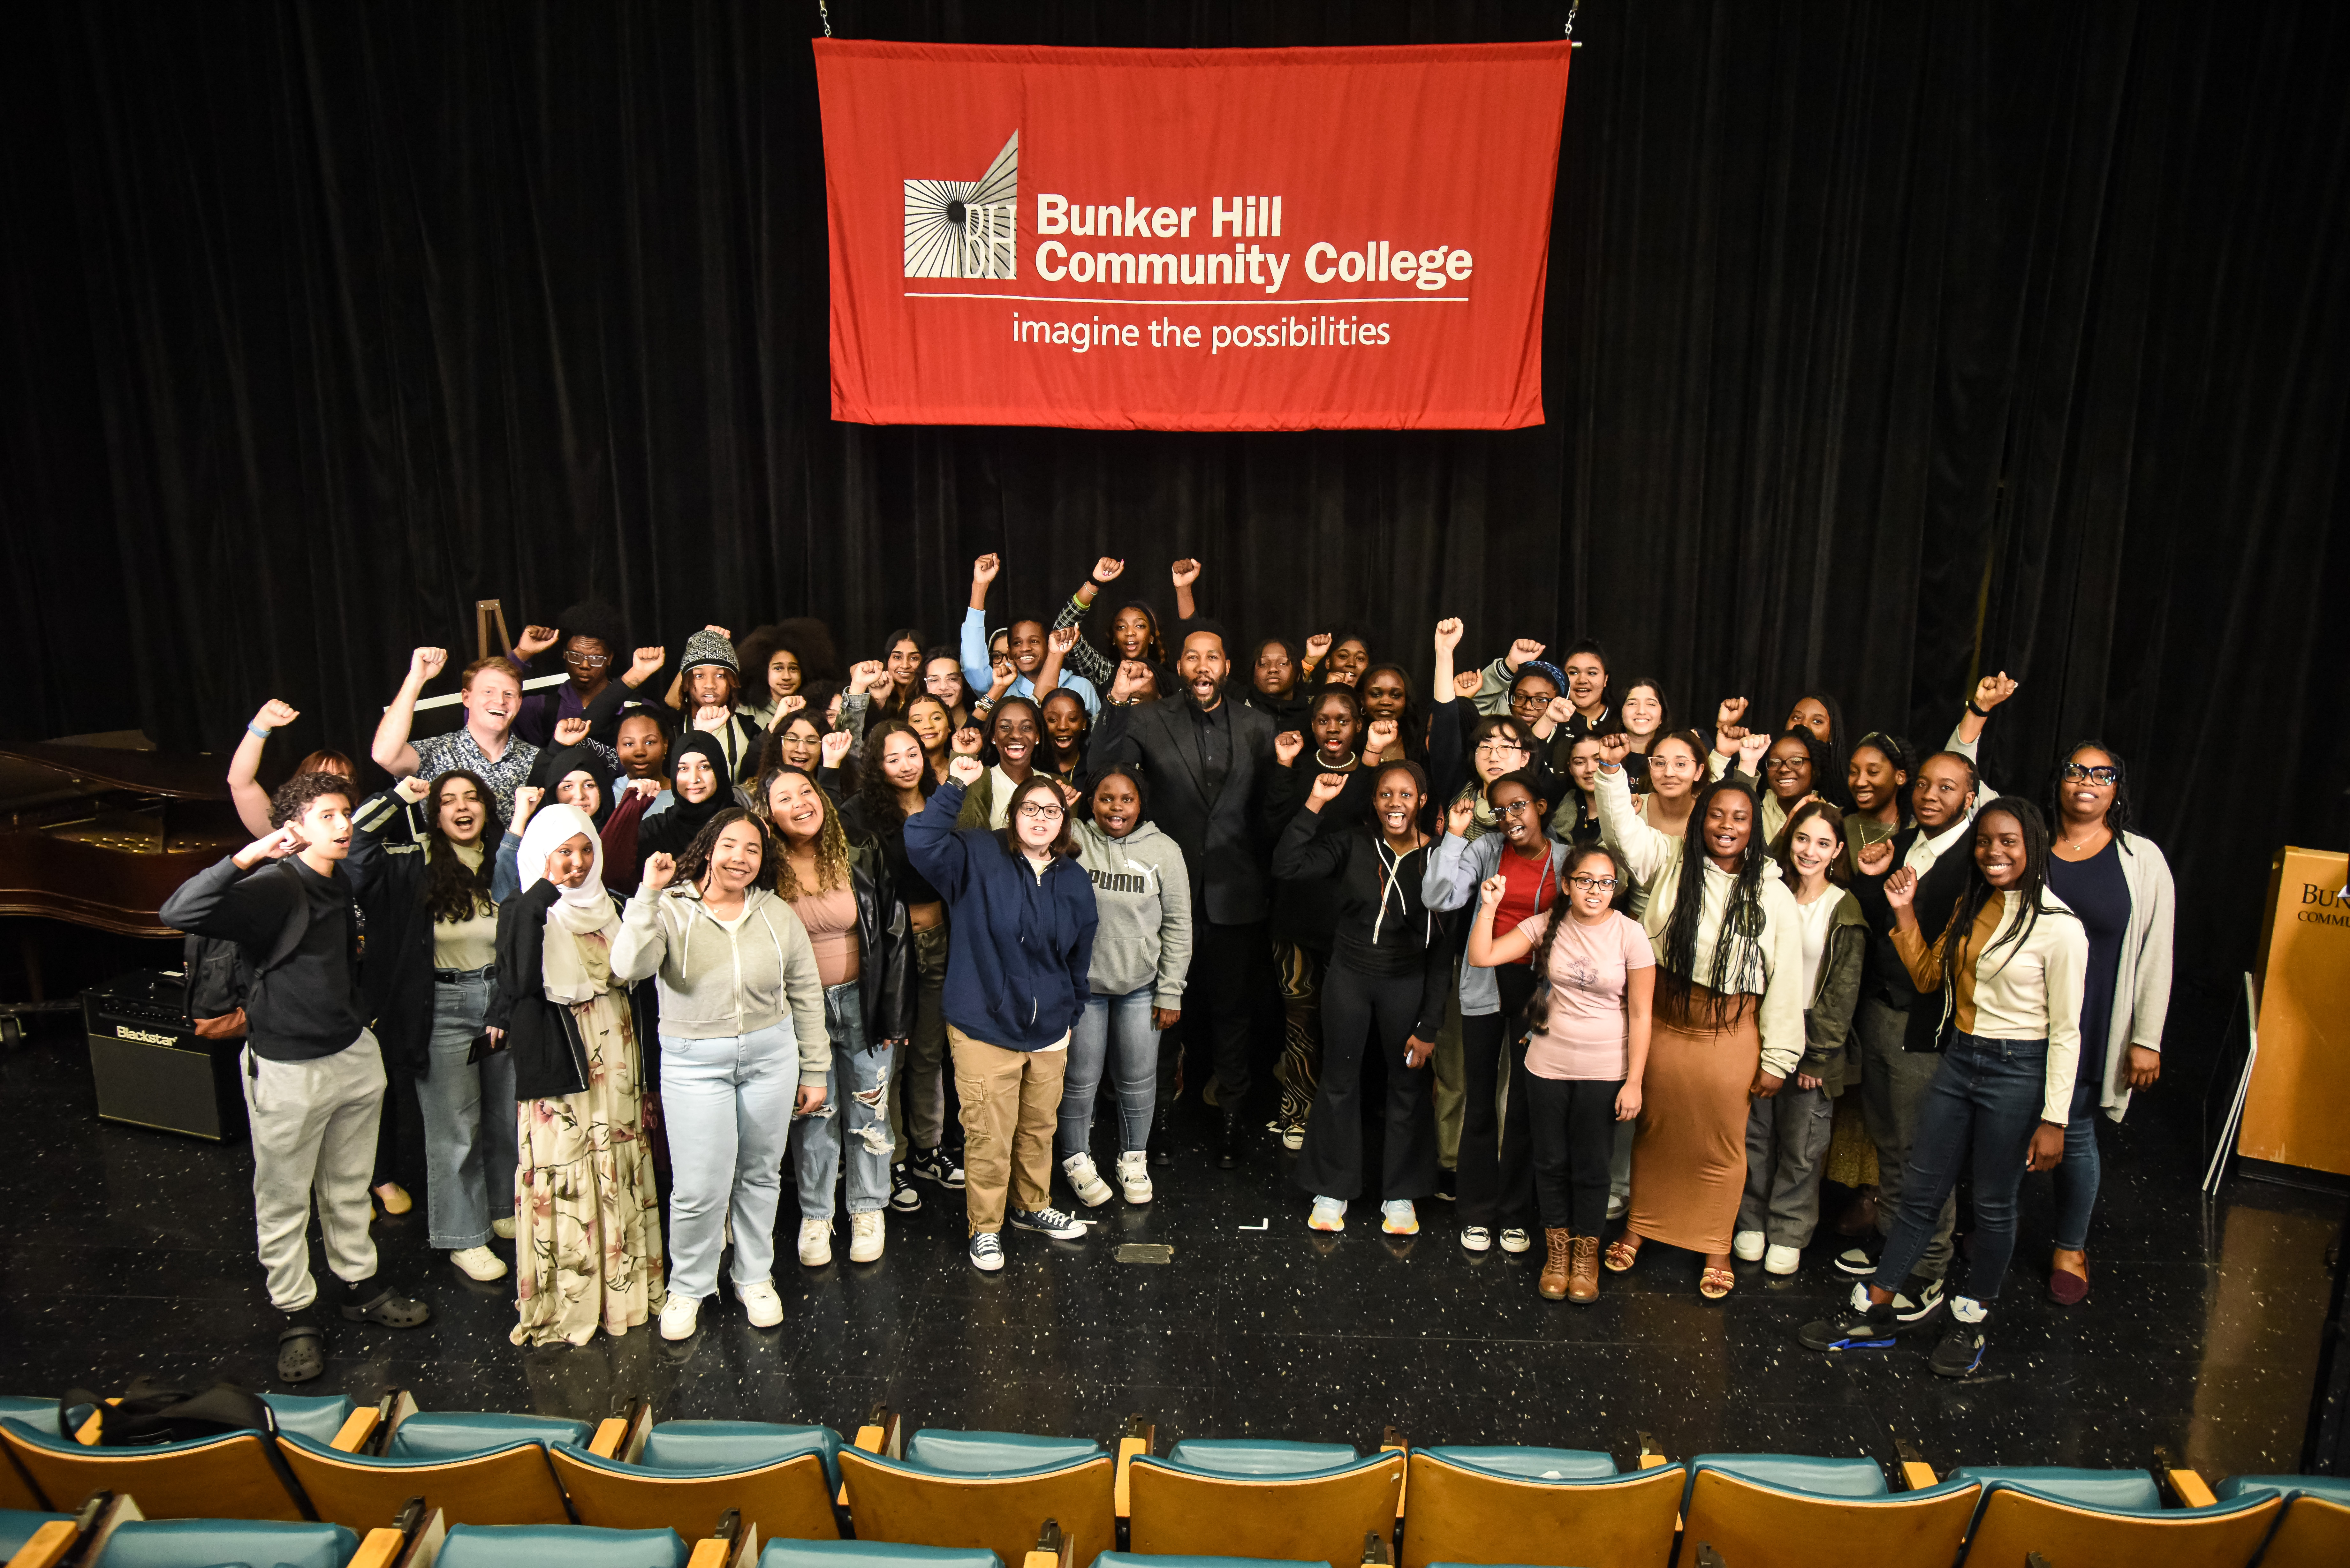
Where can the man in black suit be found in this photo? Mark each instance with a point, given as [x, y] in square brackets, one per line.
[1206, 760]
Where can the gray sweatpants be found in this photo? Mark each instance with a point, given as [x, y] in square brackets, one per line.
[1892, 1095]
[1786, 1136]
[314, 1129]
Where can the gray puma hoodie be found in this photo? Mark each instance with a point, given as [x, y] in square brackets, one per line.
[1143, 892]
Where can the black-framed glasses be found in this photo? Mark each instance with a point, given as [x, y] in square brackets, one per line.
[587, 660]
[1034, 812]
[1495, 744]
[1518, 808]
[1785, 765]
[1592, 884]
[2080, 772]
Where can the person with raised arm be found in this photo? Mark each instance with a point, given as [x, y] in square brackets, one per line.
[1024, 917]
[589, 1249]
[1730, 1013]
[1787, 1135]
[1336, 658]
[742, 1050]
[485, 747]
[1133, 631]
[1207, 760]
[1591, 1018]
[1024, 644]
[245, 788]
[312, 1073]
[1795, 769]
[2009, 968]
[932, 722]
[709, 700]
[2119, 884]
[842, 889]
[1823, 716]
[591, 640]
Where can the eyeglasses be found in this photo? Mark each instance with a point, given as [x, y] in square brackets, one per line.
[588, 661]
[1036, 813]
[1593, 884]
[1786, 764]
[2075, 772]
[1518, 808]
[1495, 744]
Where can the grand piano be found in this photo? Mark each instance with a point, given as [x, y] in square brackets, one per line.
[100, 836]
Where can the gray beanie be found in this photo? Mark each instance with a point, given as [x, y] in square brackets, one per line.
[706, 647]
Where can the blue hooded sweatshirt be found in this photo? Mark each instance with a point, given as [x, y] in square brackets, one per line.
[1023, 943]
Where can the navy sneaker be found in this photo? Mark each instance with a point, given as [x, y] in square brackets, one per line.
[987, 1251]
[1048, 1222]
[1864, 1326]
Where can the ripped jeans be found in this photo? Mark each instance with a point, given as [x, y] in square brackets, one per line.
[858, 1087]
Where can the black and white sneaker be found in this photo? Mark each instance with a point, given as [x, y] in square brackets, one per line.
[1048, 1222]
[934, 1164]
[1863, 1325]
[987, 1251]
[903, 1196]
[1919, 1300]
[1858, 1261]
[1961, 1347]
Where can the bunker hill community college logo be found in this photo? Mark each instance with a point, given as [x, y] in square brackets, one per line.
[966, 228]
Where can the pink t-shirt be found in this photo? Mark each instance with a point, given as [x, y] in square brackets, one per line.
[1587, 1035]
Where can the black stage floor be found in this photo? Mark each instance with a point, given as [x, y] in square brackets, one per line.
[125, 1251]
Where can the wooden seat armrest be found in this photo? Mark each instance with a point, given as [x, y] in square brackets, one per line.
[357, 1429]
[2187, 1486]
[1393, 1441]
[1917, 1475]
[611, 1433]
[48, 1546]
[1141, 1438]
[381, 1549]
[711, 1554]
[1652, 1458]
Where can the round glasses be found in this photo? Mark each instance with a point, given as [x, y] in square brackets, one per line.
[587, 660]
[1518, 808]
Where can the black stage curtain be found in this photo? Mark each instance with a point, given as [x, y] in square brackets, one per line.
[1885, 343]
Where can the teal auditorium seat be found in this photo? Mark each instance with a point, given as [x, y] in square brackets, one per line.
[1850, 1477]
[713, 1448]
[561, 1547]
[873, 1555]
[313, 1416]
[462, 1434]
[2333, 1488]
[1532, 1464]
[227, 1544]
[2111, 1492]
[1137, 1560]
[16, 1527]
[950, 1452]
[1258, 1457]
[2108, 1516]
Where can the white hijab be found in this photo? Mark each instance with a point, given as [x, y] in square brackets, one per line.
[577, 911]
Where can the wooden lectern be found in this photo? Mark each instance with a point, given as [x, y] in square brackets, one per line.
[2297, 1110]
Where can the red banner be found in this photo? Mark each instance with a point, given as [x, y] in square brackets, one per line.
[1189, 239]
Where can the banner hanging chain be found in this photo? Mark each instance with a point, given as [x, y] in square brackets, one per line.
[1572, 6]
[825, 12]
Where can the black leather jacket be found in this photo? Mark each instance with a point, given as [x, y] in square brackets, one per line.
[885, 943]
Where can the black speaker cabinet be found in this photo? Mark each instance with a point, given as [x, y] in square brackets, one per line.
[151, 1069]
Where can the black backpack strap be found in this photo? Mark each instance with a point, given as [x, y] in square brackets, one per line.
[71, 1399]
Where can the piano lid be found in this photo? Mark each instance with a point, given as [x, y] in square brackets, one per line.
[37, 772]
[98, 835]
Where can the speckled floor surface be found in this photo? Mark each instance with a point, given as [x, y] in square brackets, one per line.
[125, 1251]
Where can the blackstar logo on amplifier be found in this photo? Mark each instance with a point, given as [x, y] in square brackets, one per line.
[147, 1036]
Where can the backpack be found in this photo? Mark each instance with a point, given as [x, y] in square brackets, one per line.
[218, 980]
[150, 1414]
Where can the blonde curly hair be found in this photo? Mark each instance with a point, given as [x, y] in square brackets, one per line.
[831, 839]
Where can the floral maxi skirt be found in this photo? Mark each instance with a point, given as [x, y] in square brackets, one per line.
[588, 1241]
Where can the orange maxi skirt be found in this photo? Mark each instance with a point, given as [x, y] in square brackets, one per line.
[1688, 1157]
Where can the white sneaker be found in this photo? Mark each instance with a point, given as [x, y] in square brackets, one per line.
[816, 1243]
[1329, 1214]
[1476, 1239]
[1746, 1245]
[1782, 1261]
[1515, 1240]
[1397, 1217]
[760, 1302]
[679, 1314]
[1086, 1181]
[1134, 1176]
[503, 1229]
[987, 1251]
[479, 1263]
[864, 1237]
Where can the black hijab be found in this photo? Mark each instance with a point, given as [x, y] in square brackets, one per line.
[559, 762]
[675, 828]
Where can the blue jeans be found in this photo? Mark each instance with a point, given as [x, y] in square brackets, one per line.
[1983, 1104]
[2077, 1175]
[862, 1077]
[1111, 1024]
[469, 1121]
[729, 1107]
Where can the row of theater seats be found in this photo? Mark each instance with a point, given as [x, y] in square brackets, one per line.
[388, 1486]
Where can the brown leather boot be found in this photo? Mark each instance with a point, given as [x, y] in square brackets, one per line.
[1582, 1271]
[1553, 1275]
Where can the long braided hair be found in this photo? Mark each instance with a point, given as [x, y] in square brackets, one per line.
[1737, 964]
[453, 890]
[1978, 890]
[1537, 1011]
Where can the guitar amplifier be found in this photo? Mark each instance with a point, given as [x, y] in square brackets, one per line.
[152, 1070]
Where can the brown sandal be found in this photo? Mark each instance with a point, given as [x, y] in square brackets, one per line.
[1714, 1283]
[1621, 1254]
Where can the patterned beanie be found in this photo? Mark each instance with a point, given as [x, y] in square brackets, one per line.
[706, 647]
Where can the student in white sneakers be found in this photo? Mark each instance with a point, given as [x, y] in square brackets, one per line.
[742, 1048]
[1142, 950]
[847, 901]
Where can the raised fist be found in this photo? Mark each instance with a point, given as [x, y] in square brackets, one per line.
[660, 870]
[1750, 751]
[276, 715]
[1457, 819]
[1061, 639]
[1318, 647]
[834, 748]
[1326, 788]
[965, 770]
[1133, 678]
[535, 640]
[710, 717]
[721, 631]
[1466, 683]
[866, 674]
[1287, 746]
[1448, 634]
[1523, 650]
[427, 662]
[1107, 569]
[1492, 888]
[644, 665]
[1184, 572]
[984, 570]
[1381, 734]
[570, 731]
[527, 799]
[967, 742]
[1994, 690]
[1614, 749]
[1901, 888]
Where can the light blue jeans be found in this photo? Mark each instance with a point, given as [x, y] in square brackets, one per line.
[728, 1102]
[1113, 1032]
[469, 1121]
[862, 1079]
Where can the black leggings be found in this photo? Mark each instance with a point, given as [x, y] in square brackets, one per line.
[1363, 1013]
[1574, 1134]
[1497, 1179]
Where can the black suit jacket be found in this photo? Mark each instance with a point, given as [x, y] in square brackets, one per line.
[1223, 841]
